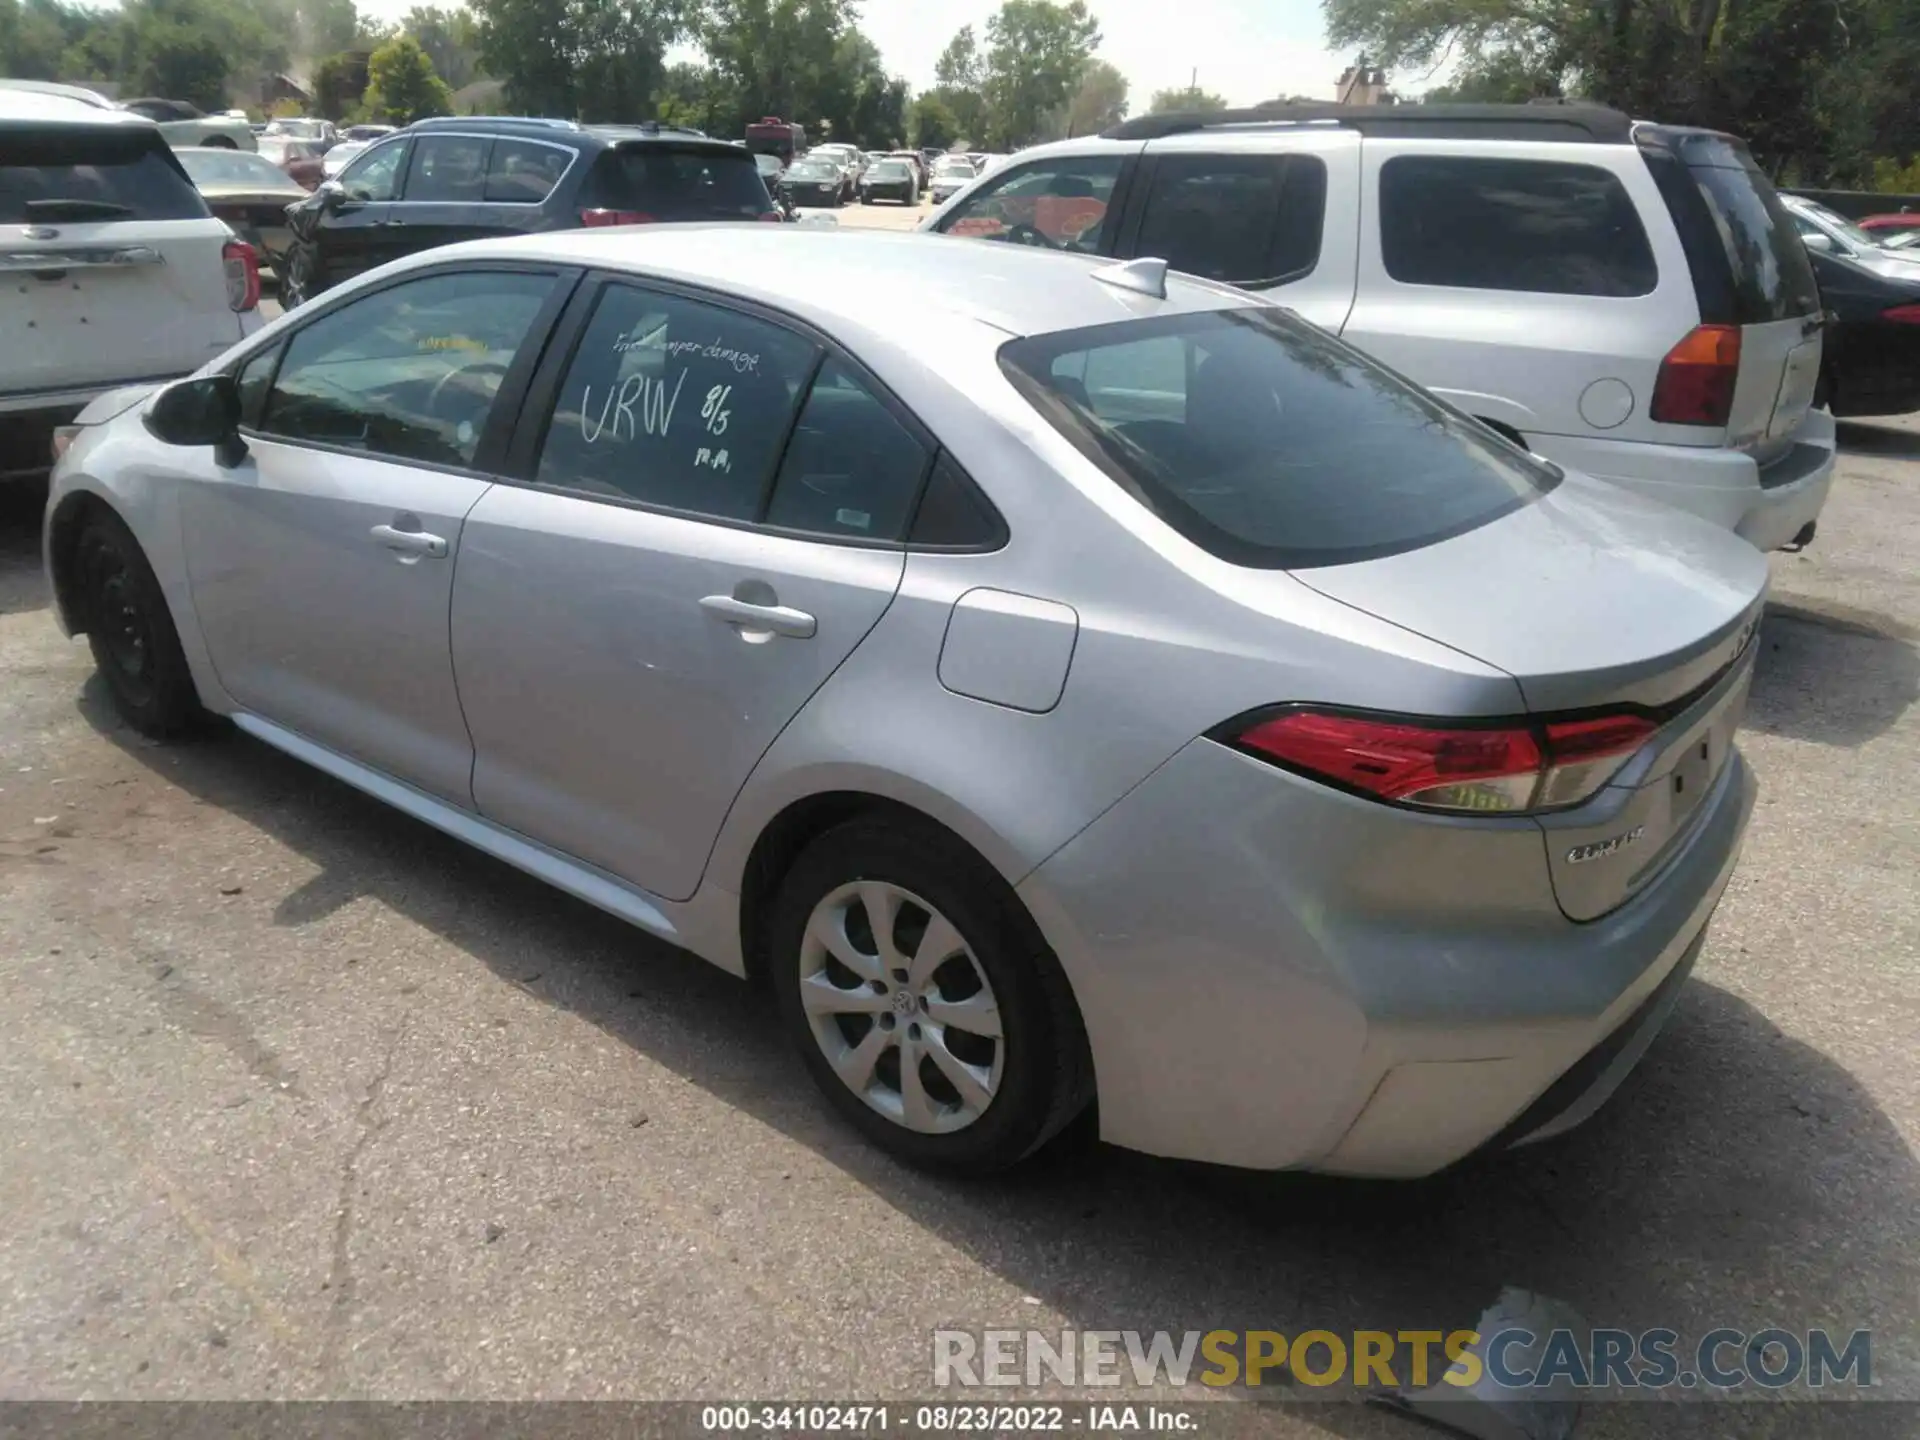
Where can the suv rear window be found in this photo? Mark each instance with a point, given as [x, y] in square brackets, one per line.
[1772, 278]
[1268, 442]
[77, 174]
[1536, 225]
[672, 182]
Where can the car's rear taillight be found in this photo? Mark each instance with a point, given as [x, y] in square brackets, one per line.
[1501, 767]
[241, 262]
[772, 216]
[596, 218]
[63, 438]
[1902, 314]
[1695, 385]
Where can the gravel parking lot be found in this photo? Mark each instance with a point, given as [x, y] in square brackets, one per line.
[302, 1099]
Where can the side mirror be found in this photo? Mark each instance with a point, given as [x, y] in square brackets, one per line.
[204, 411]
[1822, 243]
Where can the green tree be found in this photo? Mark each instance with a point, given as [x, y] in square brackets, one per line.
[327, 27]
[338, 83]
[580, 59]
[1037, 51]
[35, 36]
[779, 57]
[450, 40]
[1191, 99]
[1100, 103]
[934, 126]
[401, 85]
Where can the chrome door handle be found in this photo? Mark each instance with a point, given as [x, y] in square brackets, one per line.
[776, 619]
[410, 542]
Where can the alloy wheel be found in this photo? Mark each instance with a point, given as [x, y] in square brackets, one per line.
[901, 1008]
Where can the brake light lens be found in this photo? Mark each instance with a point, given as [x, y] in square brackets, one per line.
[1902, 314]
[242, 265]
[63, 438]
[1502, 768]
[593, 219]
[1696, 380]
[773, 217]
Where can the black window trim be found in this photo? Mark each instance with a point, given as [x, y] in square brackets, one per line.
[1121, 207]
[572, 152]
[1582, 163]
[1133, 221]
[536, 407]
[490, 455]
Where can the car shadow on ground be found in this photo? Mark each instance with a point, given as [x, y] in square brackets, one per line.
[1741, 1177]
[22, 587]
[1861, 437]
[1831, 673]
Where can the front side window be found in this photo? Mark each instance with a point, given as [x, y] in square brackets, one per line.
[408, 372]
[1065, 204]
[676, 403]
[1250, 220]
[376, 174]
[1268, 442]
[1534, 225]
[449, 169]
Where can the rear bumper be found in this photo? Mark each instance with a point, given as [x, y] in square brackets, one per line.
[1267, 981]
[1767, 506]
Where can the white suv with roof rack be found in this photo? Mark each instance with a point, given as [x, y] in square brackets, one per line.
[1624, 298]
[115, 272]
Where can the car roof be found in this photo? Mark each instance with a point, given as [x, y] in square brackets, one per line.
[850, 280]
[22, 106]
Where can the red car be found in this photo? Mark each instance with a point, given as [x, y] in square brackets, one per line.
[1905, 220]
[299, 158]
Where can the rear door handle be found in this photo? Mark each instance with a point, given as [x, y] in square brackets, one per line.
[774, 619]
[411, 542]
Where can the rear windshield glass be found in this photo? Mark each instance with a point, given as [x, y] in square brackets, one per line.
[671, 183]
[1268, 442]
[100, 175]
[1772, 279]
[233, 167]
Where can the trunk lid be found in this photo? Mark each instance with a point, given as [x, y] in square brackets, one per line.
[1593, 598]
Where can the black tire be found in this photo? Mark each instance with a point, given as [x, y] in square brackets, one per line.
[219, 142]
[303, 277]
[130, 631]
[1046, 1076]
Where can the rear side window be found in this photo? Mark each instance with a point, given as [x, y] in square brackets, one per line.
[667, 182]
[81, 173]
[1534, 225]
[1268, 442]
[852, 470]
[1772, 278]
[449, 169]
[1250, 220]
[524, 172]
[676, 403]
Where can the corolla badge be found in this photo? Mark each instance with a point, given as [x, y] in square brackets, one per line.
[1600, 849]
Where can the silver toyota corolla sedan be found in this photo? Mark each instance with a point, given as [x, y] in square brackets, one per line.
[1054, 679]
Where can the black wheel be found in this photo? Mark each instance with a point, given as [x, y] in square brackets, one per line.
[130, 631]
[923, 999]
[219, 142]
[302, 278]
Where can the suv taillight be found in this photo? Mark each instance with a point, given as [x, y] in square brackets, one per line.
[772, 216]
[1695, 386]
[596, 218]
[1502, 767]
[241, 262]
[1902, 314]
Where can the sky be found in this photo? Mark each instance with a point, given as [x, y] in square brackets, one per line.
[1246, 50]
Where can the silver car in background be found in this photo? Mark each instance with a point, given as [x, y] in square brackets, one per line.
[1053, 678]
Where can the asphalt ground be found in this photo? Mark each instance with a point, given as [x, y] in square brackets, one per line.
[300, 1099]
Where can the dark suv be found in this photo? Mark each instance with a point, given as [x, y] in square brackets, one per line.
[468, 178]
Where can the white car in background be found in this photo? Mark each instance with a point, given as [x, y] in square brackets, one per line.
[952, 174]
[179, 122]
[116, 273]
